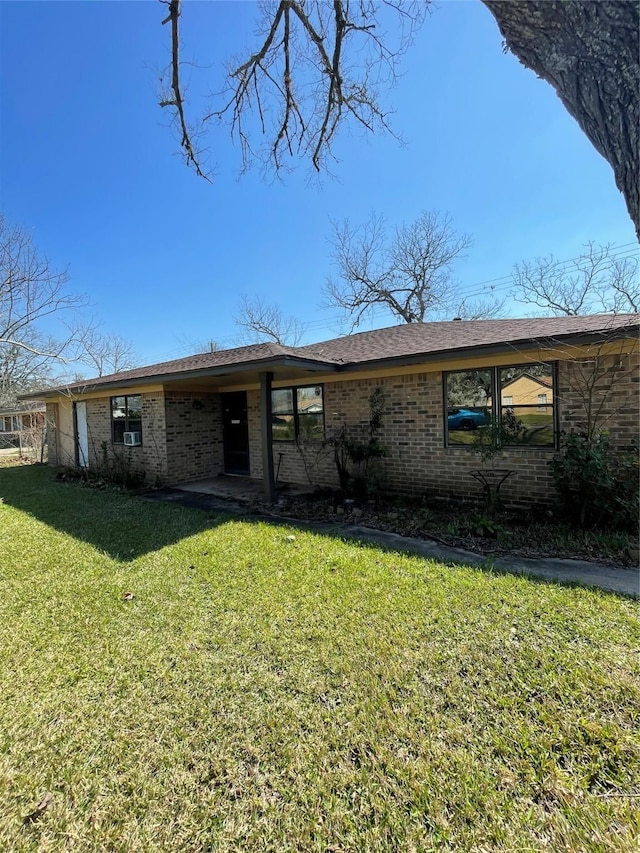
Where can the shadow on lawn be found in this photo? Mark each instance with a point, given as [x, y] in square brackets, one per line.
[123, 526]
[126, 526]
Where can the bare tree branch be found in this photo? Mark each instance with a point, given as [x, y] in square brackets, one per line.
[301, 95]
[409, 273]
[177, 101]
[598, 280]
[480, 309]
[263, 322]
[25, 367]
[30, 290]
[103, 352]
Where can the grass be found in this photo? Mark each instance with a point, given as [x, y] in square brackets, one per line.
[177, 681]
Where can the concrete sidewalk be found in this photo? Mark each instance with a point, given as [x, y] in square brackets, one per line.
[609, 578]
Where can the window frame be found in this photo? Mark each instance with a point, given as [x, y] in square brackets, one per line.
[496, 394]
[126, 398]
[296, 415]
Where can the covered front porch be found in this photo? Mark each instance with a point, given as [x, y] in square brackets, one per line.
[241, 489]
[221, 429]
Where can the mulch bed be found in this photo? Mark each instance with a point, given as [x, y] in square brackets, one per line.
[525, 533]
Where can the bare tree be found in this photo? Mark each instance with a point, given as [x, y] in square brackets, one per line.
[319, 63]
[190, 345]
[102, 352]
[30, 290]
[480, 309]
[24, 368]
[409, 272]
[598, 280]
[263, 322]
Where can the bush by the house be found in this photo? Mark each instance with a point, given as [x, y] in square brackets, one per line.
[597, 483]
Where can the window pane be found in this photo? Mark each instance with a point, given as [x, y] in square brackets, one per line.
[282, 401]
[311, 426]
[134, 408]
[282, 427]
[468, 405]
[118, 430]
[118, 407]
[310, 400]
[282, 422]
[528, 418]
[528, 425]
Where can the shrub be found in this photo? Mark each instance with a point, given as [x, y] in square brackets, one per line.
[596, 482]
[357, 458]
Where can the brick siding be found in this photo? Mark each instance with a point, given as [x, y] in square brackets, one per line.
[182, 433]
[413, 431]
[193, 435]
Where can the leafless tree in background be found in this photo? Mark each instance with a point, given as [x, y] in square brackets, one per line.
[319, 63]
[103, 352]
[263, 322]
[480, 309]
[409, 271]
[23, 369]
[30, 290]
[599, 280]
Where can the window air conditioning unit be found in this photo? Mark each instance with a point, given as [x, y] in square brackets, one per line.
[132, 439]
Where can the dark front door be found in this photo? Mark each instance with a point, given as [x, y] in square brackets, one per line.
[235, 433]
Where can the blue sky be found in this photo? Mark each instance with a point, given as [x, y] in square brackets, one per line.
[88, 165]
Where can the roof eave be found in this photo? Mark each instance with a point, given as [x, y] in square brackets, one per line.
[267, 364]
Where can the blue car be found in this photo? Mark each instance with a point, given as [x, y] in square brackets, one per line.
[466, 418]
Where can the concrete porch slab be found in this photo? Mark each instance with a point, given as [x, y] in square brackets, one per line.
[240, 489]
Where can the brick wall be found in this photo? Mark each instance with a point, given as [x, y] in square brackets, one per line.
[149, 458]
[193, 435]
[308, 465]
[615, 383]
[182, 441]
[413, 432]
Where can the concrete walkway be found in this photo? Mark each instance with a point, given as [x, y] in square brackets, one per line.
[610, 578]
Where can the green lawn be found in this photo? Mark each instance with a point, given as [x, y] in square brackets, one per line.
[177, 681]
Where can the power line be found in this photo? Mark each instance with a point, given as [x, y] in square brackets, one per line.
[495, 285]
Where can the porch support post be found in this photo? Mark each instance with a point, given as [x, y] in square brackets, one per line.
[268, 477]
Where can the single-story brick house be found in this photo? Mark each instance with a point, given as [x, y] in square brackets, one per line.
[266, 411]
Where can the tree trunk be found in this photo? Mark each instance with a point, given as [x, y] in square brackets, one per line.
[589, 52]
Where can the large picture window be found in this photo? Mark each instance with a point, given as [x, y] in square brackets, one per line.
[126, 416]
[297, 413]
[513, 405]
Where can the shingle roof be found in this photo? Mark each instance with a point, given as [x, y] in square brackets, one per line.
[403, 341]
[201, 361]
[429, 338]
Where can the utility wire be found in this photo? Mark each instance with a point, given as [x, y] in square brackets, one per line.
[489, 287]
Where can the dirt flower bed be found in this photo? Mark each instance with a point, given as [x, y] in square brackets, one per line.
[501, 532]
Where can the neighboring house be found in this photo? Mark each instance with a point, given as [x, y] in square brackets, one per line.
[527, 390]
[22, 426]
[232, 411]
